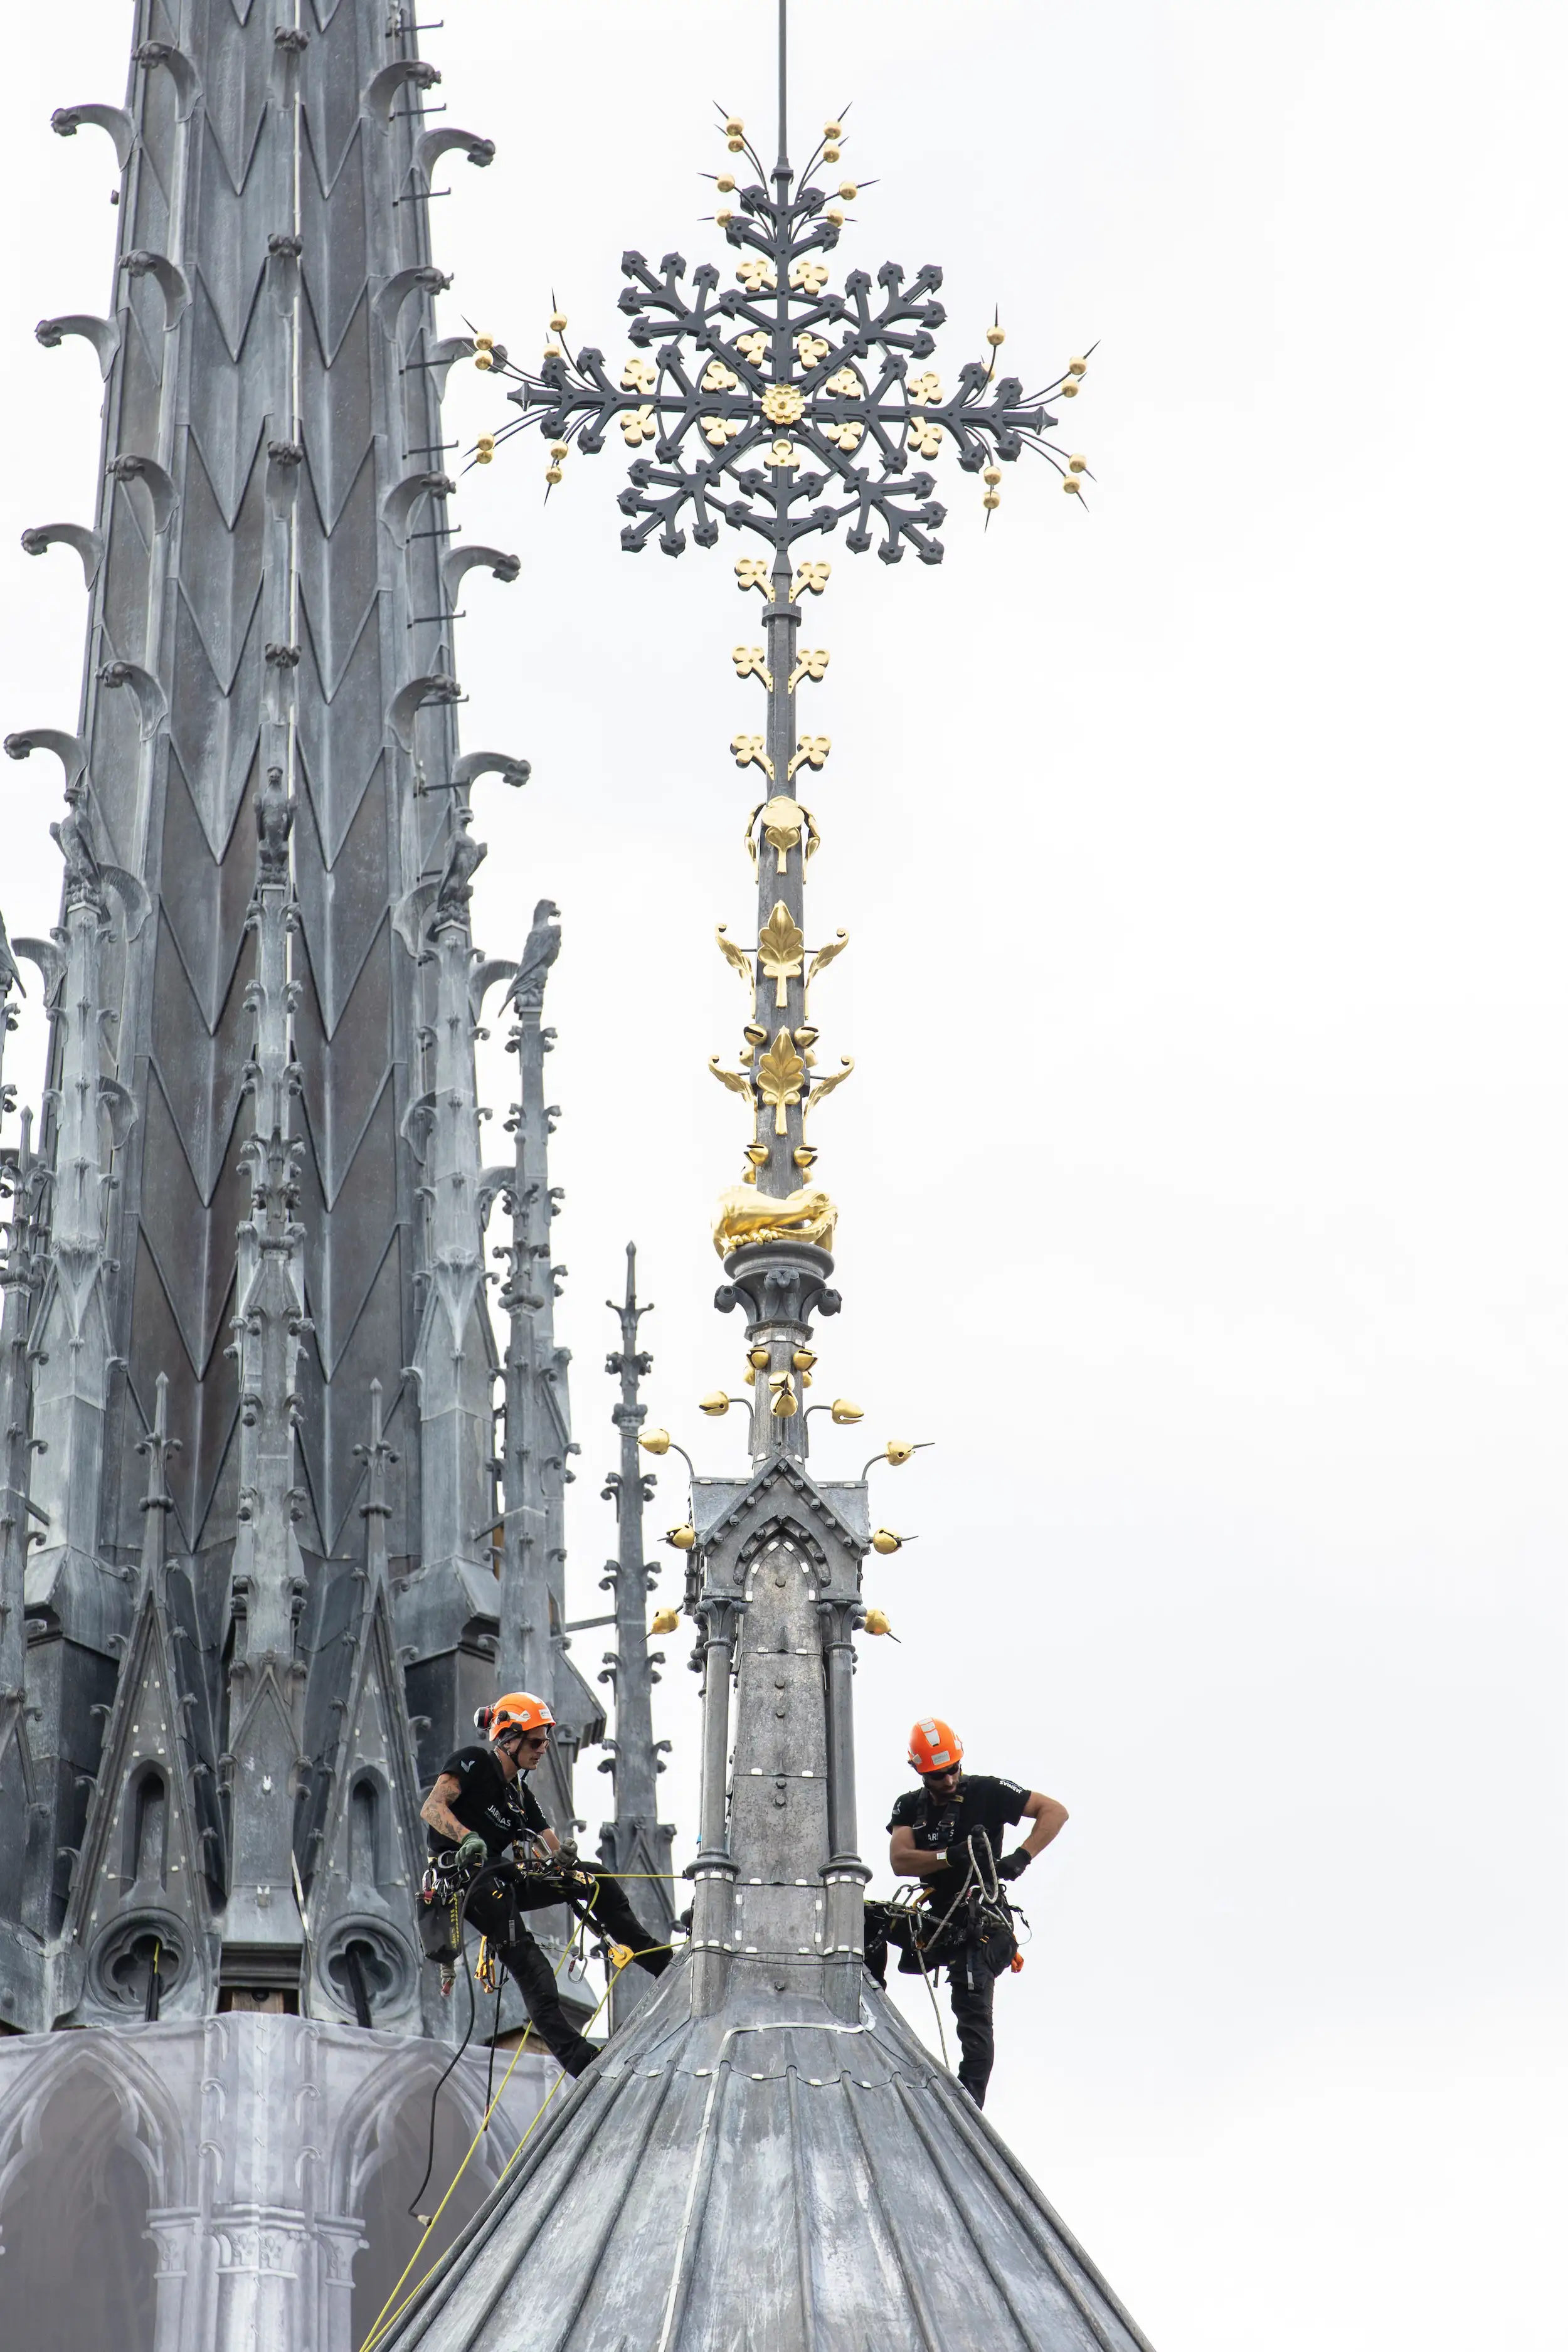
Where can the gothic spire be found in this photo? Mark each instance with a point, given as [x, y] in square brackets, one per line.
[637, 1841]
[267, 1758]
[807, 2175]
[538, 1443]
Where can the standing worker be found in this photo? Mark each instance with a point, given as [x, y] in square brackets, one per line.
[948, 1832]
[480, 1809]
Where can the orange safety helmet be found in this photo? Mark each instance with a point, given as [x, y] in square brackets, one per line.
[934, 1745]
[518, 1711]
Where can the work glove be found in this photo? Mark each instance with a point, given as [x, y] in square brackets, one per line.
[473, 1852]
[1013, 1864]
[566, 1853]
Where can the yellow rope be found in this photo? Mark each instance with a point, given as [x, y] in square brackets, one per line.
[376, 2329]
[378, 2332]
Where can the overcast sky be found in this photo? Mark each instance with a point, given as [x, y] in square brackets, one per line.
[1202, 1177]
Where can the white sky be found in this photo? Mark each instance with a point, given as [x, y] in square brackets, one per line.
[1202, 1176]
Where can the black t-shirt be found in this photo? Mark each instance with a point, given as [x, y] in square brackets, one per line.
[977, 1803]
[501, 1810]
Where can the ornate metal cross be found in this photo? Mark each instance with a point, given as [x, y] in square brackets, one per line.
[782, 406]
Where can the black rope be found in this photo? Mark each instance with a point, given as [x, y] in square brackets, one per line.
[430, 2151]
[489, 1871]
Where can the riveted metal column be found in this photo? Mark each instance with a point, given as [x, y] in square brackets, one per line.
[712, 1908]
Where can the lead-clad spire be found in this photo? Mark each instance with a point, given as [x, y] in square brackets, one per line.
[267, 1754]
[272, 579]
[636, 1842]
[804, 2175]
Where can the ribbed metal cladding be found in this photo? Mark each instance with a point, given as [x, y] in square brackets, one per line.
[765, 2182]
[270, 391]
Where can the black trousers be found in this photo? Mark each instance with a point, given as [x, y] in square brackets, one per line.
[972, 1988]
[495, 1910]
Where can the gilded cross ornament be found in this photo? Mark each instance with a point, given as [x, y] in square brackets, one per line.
[769, 393]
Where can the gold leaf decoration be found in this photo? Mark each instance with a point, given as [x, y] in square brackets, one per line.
[735, 956]
[783, 819]
[638, 375]
[750, 747]
[811, 751]
[738, 1082]
[750, 571]
[754, 347]
[749, 662]
[813, 664]
[746, 1214]
[825, 956]
[810, 349]
[783, 949]
[781, 1074]
[812, 578]
[822, 1088]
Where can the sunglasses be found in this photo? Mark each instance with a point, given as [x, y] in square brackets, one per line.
[950, 1774]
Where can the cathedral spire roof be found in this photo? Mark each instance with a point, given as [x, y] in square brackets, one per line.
[765, 2159]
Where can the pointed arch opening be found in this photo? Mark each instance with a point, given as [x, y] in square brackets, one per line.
[73, 2173]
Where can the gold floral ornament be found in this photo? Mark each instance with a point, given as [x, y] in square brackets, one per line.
[811, 751]
[717, 377]
[784, 821]
[744, 1214]
[825, 956]
[719, 430]
[844, 432]
[925, 436]
[808, 276]
[822, 1088]
[846, 383]
[739, 1083]
[638, 425]
[782, 948]
[813, 664]
[751, 751]
[750, 571]
[754, 347]
[810, 580]
[638, 375]
[782, 403]
[810, 349]
[783, 454]
[757, 274]
[735, 955]
[781, 1075]
[925, 391]
[749, 662]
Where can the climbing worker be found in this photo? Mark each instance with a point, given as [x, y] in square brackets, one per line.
[947, 1834]
[480, 1811]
